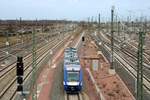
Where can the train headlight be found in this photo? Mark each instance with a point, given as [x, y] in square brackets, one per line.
[64, 83]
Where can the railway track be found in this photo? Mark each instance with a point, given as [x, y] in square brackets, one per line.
[28, 73]
[6, 69]
[7, 90]
[7, 79]
[11, 71]
[21, 48]
[39, 46]
[133, 49]
[131, 66]
[133, 59]
[133, 70]
[130, 51]
[120, 55]
[77, 96]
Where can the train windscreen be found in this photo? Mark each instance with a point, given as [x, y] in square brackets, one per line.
[72, 76]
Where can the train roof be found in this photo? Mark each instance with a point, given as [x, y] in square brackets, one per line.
[72, 67]
[71, 60]
[72, 64]
[68, 49]
[70, 54]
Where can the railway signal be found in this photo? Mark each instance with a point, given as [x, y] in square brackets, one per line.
[19, 88]
[19, 73]
[83, 39]
[19, 69]
[19, 80]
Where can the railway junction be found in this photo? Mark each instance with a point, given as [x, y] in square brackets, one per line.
[92, 59]
[93, 49]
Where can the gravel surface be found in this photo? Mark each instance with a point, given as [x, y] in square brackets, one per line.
[57, 88]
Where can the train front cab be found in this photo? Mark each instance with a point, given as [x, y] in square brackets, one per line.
[73, 81]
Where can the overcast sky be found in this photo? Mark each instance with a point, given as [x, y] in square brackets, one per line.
[71, 9]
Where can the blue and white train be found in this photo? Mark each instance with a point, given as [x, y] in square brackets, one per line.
[73, 78]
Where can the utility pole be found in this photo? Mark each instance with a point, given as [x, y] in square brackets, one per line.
[88, 19]
[132, 27]
[99, 21]
[34, 94]
[88, 22]
[112, 38]
[7, 46]
[107, 26]
[116, 23]
[118, 28]
[95, 20]
[92, 20]
[145, 25]
[128, 21]
[20, 25]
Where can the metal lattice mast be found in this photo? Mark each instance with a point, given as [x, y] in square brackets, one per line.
[34, 96]
[112, 38]
[140, 66]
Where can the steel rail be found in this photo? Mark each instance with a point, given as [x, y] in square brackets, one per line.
[26, 68]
